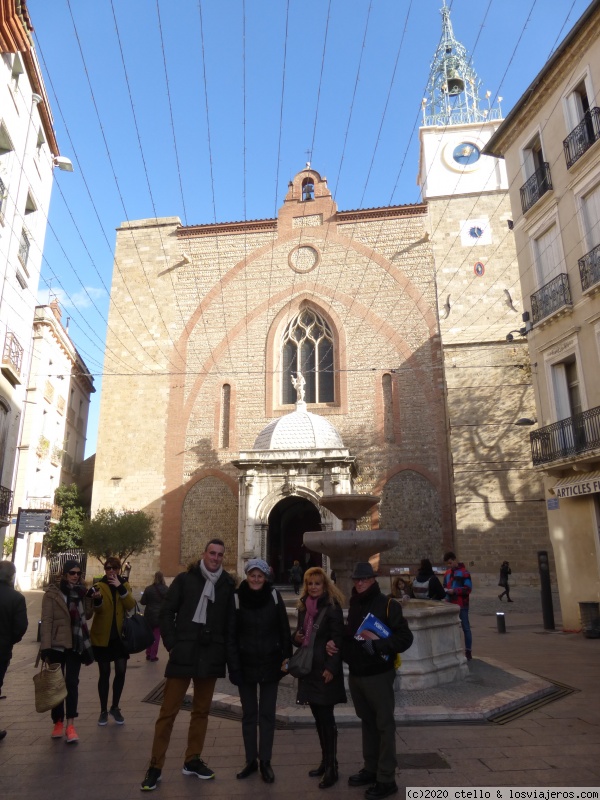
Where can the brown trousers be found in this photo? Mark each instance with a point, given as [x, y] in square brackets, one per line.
[175, 689]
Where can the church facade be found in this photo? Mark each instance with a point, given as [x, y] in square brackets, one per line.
[270, 362]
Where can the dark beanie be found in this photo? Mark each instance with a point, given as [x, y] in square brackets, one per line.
[69, 565]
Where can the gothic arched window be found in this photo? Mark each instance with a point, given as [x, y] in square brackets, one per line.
[307, 347]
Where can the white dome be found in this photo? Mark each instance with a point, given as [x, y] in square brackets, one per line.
[299, 430]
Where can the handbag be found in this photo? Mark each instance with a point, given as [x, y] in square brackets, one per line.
[50, 687]
[300, 664]
[137, 633]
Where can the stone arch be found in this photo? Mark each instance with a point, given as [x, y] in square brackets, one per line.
[209, 510]
[411, 505]
[269, 501]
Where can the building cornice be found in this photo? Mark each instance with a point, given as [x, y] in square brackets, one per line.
[270, 225]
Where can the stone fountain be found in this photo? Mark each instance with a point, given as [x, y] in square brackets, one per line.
[347, 546]
[436, 656]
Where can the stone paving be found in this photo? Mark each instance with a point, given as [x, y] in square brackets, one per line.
[554, 745]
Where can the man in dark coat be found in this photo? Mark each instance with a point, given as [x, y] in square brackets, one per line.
[194, 618]
[371, 680]
[13, 618]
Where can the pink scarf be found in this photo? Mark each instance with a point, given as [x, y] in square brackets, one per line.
[309, 619]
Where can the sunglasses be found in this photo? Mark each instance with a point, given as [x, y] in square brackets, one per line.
[111, 569]
[74, 572]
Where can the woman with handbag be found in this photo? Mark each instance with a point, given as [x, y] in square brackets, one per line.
[65, 640]
[320, 619]
[115, 598]
[257, 644]
[152, 598]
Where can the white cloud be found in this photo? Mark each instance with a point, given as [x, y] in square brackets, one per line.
[80, 299]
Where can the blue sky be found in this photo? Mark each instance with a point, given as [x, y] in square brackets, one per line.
[205, 110]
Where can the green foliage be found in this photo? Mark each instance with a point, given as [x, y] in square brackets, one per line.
[8, 546]
[118, 533]
[67, 533]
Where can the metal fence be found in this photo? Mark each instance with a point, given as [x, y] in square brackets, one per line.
[55, 563]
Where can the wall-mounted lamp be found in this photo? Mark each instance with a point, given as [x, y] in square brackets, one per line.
[520, 331]
[526, 421]
[64, 163]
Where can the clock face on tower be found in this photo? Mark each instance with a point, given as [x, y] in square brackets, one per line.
[466, 153]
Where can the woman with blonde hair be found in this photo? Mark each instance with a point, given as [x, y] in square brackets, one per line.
[320, 610]
[115, 599]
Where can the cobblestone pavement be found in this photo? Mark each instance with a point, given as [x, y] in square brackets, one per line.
[554, 745]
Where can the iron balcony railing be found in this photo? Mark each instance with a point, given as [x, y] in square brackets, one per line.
[589, 268]
[569, 437]
[5, 502]
[13, 352]
[582, 137]
[550, 298]
[536, 186]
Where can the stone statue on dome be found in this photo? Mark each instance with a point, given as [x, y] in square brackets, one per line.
[299, 382]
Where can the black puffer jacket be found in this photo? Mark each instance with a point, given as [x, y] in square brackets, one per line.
[260, 639]
[13, 619]
[313, 688]
[196, 651]
[152, 599]
[360, 661]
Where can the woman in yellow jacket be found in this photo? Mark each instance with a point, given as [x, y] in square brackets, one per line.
[109, 612]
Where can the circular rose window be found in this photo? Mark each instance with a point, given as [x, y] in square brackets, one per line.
[303, 258]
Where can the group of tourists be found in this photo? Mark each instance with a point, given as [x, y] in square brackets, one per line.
[207, 625]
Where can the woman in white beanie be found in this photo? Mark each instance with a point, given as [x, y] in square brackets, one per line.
[258, 643]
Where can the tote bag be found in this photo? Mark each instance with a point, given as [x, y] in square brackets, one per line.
[50, 687]
[137, 633]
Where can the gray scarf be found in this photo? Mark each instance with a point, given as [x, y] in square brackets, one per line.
[208, 593]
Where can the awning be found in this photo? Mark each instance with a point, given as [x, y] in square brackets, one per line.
[578, 485]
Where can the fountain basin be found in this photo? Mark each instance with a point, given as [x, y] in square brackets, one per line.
[437, 653]
[349, 507]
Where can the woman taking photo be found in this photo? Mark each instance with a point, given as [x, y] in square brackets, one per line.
[65, 640]
[258, 643]
[152, 598]
[114, 600]
[321, 605]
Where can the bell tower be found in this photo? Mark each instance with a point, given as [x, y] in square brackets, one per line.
[455, 127]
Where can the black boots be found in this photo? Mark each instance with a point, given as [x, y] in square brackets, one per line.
[316, 773]
[250, 767]
[266, 771]
[330, 774]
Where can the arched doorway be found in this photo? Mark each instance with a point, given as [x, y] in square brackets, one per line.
[288, 522]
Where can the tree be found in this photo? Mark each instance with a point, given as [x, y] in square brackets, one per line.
[118, 533]
[67, 533]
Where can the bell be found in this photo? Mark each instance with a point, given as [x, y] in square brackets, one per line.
[455, 83]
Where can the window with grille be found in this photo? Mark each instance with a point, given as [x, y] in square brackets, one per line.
[307, 347]
[24, 245]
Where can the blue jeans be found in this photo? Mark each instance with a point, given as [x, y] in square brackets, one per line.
[464, 621]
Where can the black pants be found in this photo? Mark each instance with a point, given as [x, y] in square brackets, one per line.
[323, 715]
[104, 682]
[4, 662]
[70, 664]
[259, 702]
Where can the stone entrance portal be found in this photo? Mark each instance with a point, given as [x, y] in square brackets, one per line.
[288, 521]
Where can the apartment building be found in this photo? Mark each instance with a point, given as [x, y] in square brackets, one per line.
[550, 141]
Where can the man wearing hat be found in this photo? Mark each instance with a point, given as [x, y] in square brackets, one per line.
[194, 618]
[371, 681]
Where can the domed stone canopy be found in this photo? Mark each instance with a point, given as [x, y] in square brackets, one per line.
[299, 430]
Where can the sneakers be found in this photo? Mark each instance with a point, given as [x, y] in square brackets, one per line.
[380, 790]
[116, 715]
[71, 734]
[362, 778]
[151, 780]
[103, 718]
[58, 729]
[197, 767]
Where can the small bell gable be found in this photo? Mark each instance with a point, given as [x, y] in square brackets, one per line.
[308, 199]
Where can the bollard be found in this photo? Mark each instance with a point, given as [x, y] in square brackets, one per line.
[547, 607]
[500, 621]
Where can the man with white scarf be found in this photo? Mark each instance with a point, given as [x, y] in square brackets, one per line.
[194, 618]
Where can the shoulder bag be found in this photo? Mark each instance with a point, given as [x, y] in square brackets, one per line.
[300, 664]
[137, 633]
